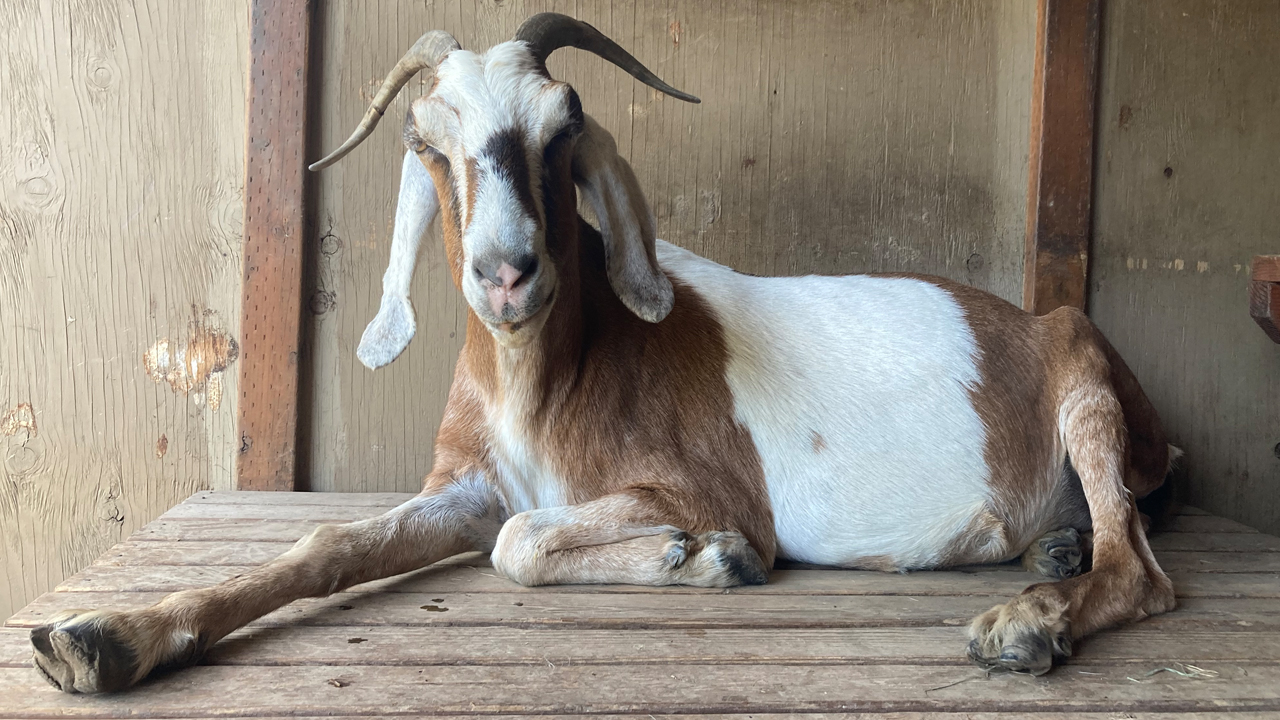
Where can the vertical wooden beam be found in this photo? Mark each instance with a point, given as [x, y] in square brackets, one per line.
[1060, 186]
[273, 232]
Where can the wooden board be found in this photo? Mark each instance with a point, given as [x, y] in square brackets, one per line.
[274, 229]
[833, 137]
[1187, 142]
[458, 638]
[1266, 268]
[1060, 187]
[121, 195]
[1264, 307]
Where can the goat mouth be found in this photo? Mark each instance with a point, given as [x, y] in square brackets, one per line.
[515, 326]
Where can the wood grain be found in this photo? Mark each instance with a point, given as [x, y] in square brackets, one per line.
[1187, 147]
[274, 228]
[833, 137]
[661, 690]
[457, 637]
[1060, 173]
[121, 198]
[1265, 268]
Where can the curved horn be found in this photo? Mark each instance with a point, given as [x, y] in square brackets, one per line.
[426, 53]
[547, 32]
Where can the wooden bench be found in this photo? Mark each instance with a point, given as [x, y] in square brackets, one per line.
[458, 639]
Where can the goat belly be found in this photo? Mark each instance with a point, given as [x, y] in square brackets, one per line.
[857, 393]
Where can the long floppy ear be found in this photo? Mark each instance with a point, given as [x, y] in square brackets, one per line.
[626, 223]
[392, 329]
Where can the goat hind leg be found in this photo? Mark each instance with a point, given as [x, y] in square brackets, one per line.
[104, 650]
[1125, 583]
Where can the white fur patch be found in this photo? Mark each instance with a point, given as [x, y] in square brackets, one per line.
[394, 326]
[525, 477]
[856, 392]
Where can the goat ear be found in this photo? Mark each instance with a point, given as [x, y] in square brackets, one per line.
[392, 329]
[626, 223]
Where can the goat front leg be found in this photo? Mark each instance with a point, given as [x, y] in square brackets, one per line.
[104, 650]
[1125, 584]
[625, 538]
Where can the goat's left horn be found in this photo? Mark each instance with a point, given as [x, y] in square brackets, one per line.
[547, 32]
[428, 52]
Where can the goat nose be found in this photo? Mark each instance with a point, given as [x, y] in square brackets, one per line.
[506, 273]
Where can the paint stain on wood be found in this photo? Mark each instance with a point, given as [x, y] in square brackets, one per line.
[162, 446]
[195, 364]
[22, 417]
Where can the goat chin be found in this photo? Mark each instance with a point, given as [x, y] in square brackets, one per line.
[522, 333]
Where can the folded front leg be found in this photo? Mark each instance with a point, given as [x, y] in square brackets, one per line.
[624, 538]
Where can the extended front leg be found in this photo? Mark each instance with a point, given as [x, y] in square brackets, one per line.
[625, 538]
[102, 650]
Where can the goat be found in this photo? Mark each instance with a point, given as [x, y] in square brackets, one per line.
[624, 411]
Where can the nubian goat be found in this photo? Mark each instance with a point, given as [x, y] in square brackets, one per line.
[624, 411]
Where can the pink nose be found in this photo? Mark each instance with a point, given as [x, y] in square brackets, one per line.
[508, 275]
[508, 283]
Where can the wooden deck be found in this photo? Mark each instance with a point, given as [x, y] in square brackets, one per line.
[458, 639]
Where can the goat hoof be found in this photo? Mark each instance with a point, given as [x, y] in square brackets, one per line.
[678, 551]
[1057, 555]
[728, 560]
[1019, 637]
[85, 652]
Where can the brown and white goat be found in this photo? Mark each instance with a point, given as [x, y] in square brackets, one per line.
[624, 411]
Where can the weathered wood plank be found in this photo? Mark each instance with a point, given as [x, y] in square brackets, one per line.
[644, 610]
[1202, 524]
[1060, 182]
[274, 227]
[472, 579]
[656, 689]
[1101, 715]
[1182, 203]
[1215, 542]
[122, 158]
[361, 645]
[342, 499]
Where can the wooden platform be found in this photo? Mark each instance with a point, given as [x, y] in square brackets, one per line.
[458, 639]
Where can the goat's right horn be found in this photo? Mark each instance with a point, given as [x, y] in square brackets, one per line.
[547, 32]
[426, 53]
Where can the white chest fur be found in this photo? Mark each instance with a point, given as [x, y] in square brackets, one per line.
[856, 391]
[525, 476]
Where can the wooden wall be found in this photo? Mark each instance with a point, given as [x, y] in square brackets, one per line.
[1188, 182]
[121, 145]
[833, 137]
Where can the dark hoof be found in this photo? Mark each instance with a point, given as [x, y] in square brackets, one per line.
[1057, 555]
[678, 551]
[84, 654]
[1031, 651]
[738, 563]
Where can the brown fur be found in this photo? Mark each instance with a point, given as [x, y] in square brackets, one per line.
[593, 359]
